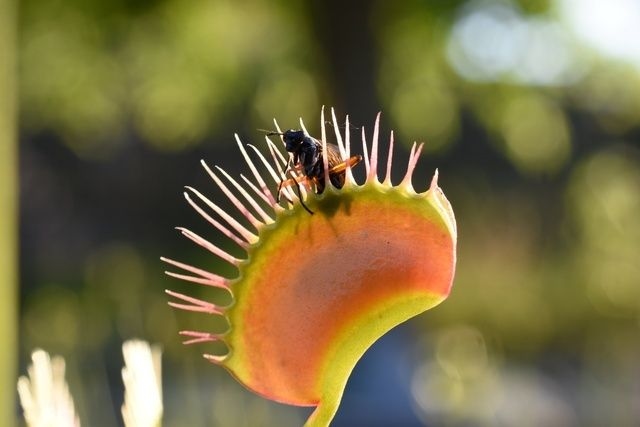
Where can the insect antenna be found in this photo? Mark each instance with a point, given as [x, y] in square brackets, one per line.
[350, 126]
[270, 132]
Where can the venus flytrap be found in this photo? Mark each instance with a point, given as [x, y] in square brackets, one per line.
[315, 291]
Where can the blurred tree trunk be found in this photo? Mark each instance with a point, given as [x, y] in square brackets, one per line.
[8, 212]
[344, 30]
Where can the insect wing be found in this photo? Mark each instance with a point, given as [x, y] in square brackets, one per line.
[333, 155]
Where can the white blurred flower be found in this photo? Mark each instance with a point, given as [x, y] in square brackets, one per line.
[44, 393]
[143, 384]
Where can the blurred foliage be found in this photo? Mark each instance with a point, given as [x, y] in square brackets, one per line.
[530, 109]
[172, 72]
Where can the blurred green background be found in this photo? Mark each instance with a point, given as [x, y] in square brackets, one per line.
[530, 110]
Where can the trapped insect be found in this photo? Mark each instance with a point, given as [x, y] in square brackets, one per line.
[307, 158]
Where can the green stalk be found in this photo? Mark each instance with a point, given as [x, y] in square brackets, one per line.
[8, 213]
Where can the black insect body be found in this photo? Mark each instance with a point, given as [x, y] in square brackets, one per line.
[307, 158]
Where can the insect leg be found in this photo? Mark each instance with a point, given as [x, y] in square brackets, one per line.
[294, 180]
[287, 182]
[280, 192]
[297, 183]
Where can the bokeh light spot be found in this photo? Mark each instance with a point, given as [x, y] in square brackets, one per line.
[492, 41]
[604, 199]
[536, 134]
[609, 26]
[462, 352]
[428, 109]
[53, 320]
[286, 93]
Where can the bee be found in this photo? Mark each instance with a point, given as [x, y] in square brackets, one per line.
[307, 158]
